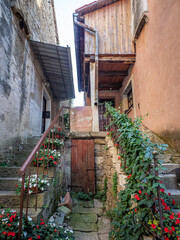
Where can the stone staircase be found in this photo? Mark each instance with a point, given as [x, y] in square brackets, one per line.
[9, 176]
[170, 160]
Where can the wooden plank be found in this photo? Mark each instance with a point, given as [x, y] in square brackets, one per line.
[84, 166]
[113, 73]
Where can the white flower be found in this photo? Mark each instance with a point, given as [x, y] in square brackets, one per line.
[25, 234]
[29, 218]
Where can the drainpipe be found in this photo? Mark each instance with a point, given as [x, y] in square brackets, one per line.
[95, 32]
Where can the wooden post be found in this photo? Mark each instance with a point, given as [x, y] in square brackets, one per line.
[93, 74]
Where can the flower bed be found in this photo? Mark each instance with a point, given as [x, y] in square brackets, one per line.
[137, 212]
[9, 223]
[42, 184]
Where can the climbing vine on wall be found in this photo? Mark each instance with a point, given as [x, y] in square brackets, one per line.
[115, 183]
[138, 212]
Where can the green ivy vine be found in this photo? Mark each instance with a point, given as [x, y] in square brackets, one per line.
[115, 184]
[137, 210]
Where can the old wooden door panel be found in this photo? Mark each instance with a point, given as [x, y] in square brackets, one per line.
[82, 166]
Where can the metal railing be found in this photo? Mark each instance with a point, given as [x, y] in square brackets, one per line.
[45, 144]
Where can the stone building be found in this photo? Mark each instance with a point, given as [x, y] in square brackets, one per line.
[127, 52]
[35, 72]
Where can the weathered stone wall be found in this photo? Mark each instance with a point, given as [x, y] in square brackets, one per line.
[81, 119]
[21, 78]
[107, 164]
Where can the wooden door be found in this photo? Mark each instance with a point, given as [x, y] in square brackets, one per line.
[82, 166]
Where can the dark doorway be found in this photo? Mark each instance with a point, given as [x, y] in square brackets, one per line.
[44, 115]
[82, 166]
[104, 120]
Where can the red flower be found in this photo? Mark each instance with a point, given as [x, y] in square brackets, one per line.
[169, 194]
[12, 218]
[55, 162]
[9, 224]
[139, 192]
[119, 157]
[16, 185]
[153, 226]
[4, 233]
[170, 232]
[107, 133]
[116, 145]
[177, 221]
[166, 230]
[42, 223]
[161, 190]
[166, 238]
[51, 157]
[137, 197]
[173, 202]
[178, 238]
[146, 194]
[38, 237]
[129, 176]
[171, 217]
[173, 228]
[178, 214]
[30, 238]
[135, 210]
[13, 234]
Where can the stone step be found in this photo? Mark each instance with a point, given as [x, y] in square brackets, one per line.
[169, 167]
[34, 139]
[175, 194]
[8, 184]
[9, 171]
[11, 200]
[169, 180]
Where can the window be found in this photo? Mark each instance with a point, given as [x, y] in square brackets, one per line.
[128, 99]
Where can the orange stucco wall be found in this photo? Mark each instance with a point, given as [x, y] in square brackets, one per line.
[156, 73]
[81, 119]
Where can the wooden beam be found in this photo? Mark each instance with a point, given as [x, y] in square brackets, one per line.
[113, 73]
[125, 59]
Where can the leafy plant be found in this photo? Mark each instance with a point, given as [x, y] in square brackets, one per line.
[115, 183]
[137, 211]
[84, 196]
[9, 226]
[102, 194]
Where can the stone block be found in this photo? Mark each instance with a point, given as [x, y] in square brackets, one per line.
[64, 210]
[83, 227]
[122, 180]
[98, 203]
[83, 218]
[104, 236]
[104, 225]
[99, 141]
[81, 210]
[85, 236]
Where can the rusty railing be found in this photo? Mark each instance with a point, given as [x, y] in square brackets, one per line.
[46, 143]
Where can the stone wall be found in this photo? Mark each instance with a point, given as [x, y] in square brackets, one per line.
[22, 83]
